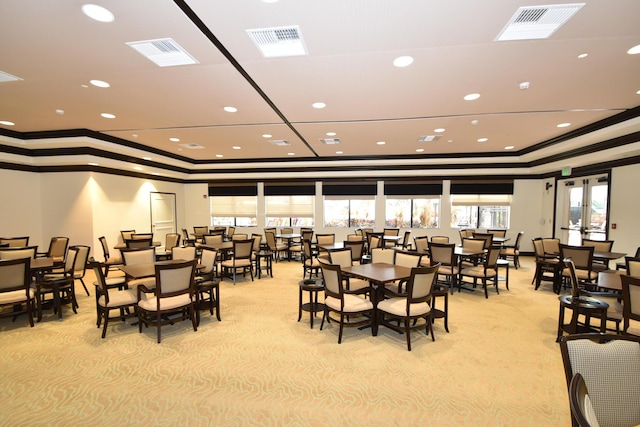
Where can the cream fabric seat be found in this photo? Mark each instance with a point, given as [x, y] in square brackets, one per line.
[343, 258]
[15, 288]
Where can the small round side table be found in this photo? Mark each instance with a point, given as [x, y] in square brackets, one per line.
[314, 287]
[581, 305]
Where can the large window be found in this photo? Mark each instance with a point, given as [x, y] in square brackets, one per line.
[349, 204]
[488, 207]
[289, 211]
[412, 204]
[233, 205]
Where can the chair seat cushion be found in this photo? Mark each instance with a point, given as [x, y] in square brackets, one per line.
[16, 296]
[478, 272]
[357, 284]
[119, 298]
[150, 304]
[352, 303]
[398, 307]
[447, 270]
[581, 274]
[238, 263]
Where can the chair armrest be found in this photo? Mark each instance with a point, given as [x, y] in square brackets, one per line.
[142, 289]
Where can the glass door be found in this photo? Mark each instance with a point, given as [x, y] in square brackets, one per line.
[582, 207]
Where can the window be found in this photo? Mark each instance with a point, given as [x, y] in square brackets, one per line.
[234, 205]
[481, 205]
[349, 204]
[412, 213]
[289, 211]
[412, 204]
[352, 212]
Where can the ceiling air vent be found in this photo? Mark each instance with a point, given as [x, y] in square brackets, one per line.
[429, 138]
[537, 22]
[280, 142]
[330, 141]
[163, 52]
[278, 41]
[192, 146]
[6, 77]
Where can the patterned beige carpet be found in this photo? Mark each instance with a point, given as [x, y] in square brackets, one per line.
[498, 366]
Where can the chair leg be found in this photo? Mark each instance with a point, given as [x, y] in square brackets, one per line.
[407, 332]
[85, 287]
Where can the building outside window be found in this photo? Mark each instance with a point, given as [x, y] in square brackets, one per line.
[412, 204]
[488, 207]
[349, 205]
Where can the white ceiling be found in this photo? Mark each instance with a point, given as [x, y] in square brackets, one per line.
[56, 50]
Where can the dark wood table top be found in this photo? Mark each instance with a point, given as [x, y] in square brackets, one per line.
[124, 245]
[609, 256]
[217, 246]
[378, 272]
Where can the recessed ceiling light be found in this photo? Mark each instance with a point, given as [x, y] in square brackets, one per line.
[583, 55]
[230, 109]
[267, 135]
[99, 83]
[420, 150]
[174, 139]
[98, 13]
[59, 112]
[339, 152]
[509, 147]
[219, 155]
[403, 61]
[156, 174]
[331, 134]
[564, 125]
[474, 122]
[135, 135]
[524, 85]
[138, 168]
[318, 105]
[634, 50]
[483, 139]
[381, 142]
[108, 115]
[439, 130]
[236, 147]
[638, 92]
[146, 158]
[471, 96]
[92, 164]
[291, 154]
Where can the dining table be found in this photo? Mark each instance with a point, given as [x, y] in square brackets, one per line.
[288, 238]
[147, 269]
[377, 274]
[119, 246]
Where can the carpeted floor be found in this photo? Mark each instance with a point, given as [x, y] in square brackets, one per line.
[498, 366]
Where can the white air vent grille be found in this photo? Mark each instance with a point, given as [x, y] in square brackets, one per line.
[330, 141]
[537, 22]
[6, 77]
[163, 52]
[278, 41]
[280, 142]
[192, 146]
[428, 138]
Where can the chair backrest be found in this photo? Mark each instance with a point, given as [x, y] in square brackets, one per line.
[473, 245]
[270, 237]
[187, 253]
[105, 247]
[208, 258]
[242, 248]
[139, 243]
[257, 241]
[575, 286]
[440, 239]
[210, 239]
[127, 234]
[633, 266]
[582, 256]
[15, 242]
[580, 403]
[610, 366]
[407, 259]
[422, 244]
[231, 230]
[58, 248]
[518, 239]
[498, 233]
[325, 239]
[443, 253]
[599, 245]
[286, 230]
[420, 284]
[382, 255]
[101, 282]
[239, 236]
[70, 261]
[173, 279]
[375, 240]
[630, 300]
[341, 257]
[200, 230]
[466, 232]
[142, 236]
[138, 256]
[538, 247]
[171, 241]
[15, 275]
[18, 252]
[357, 249]
[354, 238]
[185, 235]
[486, 237]
[80, 266]
[491, 258]
[406, 239]
[551, 245]
[307, 234]
[391, 231]
[332, 277]
[306, 249]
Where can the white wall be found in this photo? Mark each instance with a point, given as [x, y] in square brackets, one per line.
[625, 209]
[21, 206]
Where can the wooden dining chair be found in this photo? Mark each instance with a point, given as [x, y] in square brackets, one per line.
[16, 292]
[631, 305]
[110, 298]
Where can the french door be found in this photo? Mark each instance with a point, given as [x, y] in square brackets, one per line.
[582, 208]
